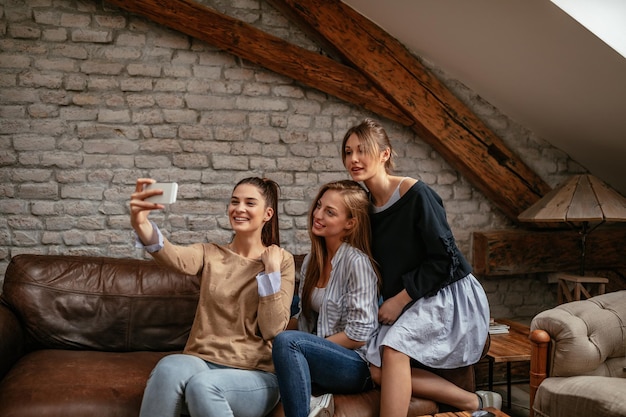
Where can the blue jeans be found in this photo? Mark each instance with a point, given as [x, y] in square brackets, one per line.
[186, 383]
[303, 360]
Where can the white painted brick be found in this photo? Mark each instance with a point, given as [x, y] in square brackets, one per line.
[91, 36]
[229, 162]
[263, 164]
[170, 85]
[169, 101]
[146, 70]
[177, 71]
[210, 73]
[43, 111]
[12, 112]
[131, 39]
[69, 51]
[187, 161]
[47, 17]
[118, 53]
[101, 67]
[111, 146]
[113, 22]
[14, 61]
[24, 238]
[148, 116]
[180, 116]
[260, 104]
[38, 191]
[8, 80]
[113, 116]
[14, 126]
[109, 161]
[18, 31]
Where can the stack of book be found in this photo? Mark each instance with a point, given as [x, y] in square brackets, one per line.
[497, 328]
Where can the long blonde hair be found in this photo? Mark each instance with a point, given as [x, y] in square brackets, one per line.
[356, 203]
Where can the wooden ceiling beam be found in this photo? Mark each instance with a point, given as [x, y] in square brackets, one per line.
[273, 53]
[388, 81]
[440, 119]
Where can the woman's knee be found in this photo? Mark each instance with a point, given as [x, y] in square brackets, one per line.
[178, 365]
[392, 356]
[285, 338]
[286, 341]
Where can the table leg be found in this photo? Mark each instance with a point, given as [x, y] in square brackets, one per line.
[490, 374]
[508, 384]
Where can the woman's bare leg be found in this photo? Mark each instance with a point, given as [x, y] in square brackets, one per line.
[395, 398]
[426, 384]
[395, 384]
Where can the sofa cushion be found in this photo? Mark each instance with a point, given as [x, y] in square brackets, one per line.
[596, 396]
[93, 303]
[77, 384]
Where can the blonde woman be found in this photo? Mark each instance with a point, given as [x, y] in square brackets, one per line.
[338, 306]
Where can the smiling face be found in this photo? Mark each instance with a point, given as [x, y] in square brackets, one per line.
[361, 164]
[247, 210]
[329, 218]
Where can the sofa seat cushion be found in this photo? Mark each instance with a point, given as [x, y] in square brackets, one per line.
[66, 383]
[597, 396]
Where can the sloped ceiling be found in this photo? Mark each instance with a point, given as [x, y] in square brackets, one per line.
[530, 60]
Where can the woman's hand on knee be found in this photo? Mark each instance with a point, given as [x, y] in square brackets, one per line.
[376, 374]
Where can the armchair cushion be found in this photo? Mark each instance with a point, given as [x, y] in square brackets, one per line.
[581, 396]
[589, 336]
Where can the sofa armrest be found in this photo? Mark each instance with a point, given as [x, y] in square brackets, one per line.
[12, 344]
[539, 341]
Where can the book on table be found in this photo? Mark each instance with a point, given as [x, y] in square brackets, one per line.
[497, 328]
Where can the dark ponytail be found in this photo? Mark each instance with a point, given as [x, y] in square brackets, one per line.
[269, 190]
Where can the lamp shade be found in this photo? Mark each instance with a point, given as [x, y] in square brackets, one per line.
[581, 199]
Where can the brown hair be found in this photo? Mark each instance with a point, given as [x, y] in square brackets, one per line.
[356, 203]
[269, 190]
[374, 139]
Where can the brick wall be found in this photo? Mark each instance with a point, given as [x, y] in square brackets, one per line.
[92, 98]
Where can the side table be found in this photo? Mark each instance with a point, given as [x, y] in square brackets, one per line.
[580, 286]
[513, 346]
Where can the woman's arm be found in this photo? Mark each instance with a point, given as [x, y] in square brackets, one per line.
[343, 340]
[360, 304]
[443, 262]
[274, 310]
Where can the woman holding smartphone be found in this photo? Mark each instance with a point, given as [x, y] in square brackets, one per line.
[246, 289]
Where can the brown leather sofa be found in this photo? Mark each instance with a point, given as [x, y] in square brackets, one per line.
[80, 335]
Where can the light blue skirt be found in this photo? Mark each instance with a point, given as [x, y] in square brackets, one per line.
[445, 331]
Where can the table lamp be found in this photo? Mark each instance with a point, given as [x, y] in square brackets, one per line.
[584, 202]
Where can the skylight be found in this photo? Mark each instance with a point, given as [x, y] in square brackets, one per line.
[604, 18]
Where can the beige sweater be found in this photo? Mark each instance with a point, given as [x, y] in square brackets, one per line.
[233, 325]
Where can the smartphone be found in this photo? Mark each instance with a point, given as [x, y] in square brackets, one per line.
[483, 413]
[170, 189]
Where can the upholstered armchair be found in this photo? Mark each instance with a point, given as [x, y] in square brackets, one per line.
[578, 363]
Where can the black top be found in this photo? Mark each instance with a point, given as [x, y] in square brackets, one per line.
[414, 246]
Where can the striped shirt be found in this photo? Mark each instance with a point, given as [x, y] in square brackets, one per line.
[351, 298]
